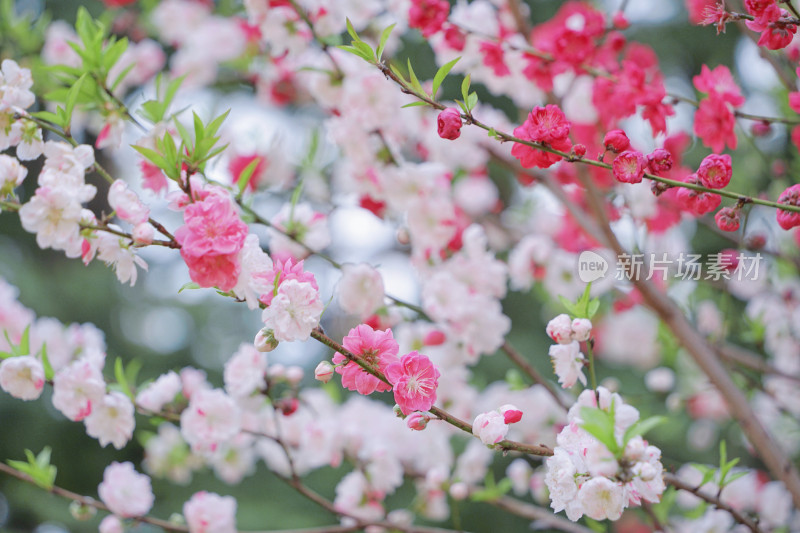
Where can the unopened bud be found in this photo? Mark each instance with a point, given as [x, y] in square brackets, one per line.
[143, 233]
[323, 372]
[417, 421]
[511, 414]
[81, 511]
[459, 491]
[277, 371]
[403, 237]
[265, 341]
[287, 406]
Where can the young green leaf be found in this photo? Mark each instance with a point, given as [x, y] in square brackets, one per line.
[352, 30]
[49, 373]
[641, 427]
[247, 174]
[191, 285]
[40, 470]
[600, 424]
[72, 98]
[384, 37]
[24, 342]
[441, 74]
[414, 104]
[414, 81]
[465, 87]
[122, 379]
[472, 101]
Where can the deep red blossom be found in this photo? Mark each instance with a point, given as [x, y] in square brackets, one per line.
[775, 34]
[715, 171]
[428, 16]
[697, 202]
[697, 9]
[791, 196]
[659, 161]
[545, 125]
[714, 123]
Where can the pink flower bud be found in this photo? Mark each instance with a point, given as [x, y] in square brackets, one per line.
[143, 233]
[417, 421]
[791, 196]
[761, 129]
[265, 341]
[581, 329]
[616, 141]
[715, 171]
[660, 160]
[277, 371]
[287, 406]
[560, 329]
[579, 150]
[727, 219]
[434, 338]
[629, 166]
[511, 414]
[323, 372]
[449, 123]
[697, 202]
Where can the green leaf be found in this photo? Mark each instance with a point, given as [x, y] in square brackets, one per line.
[247, 174]
[414, 81]
[25, 342]
[472, 101]
[414, 104]
[595, 525]
[465, 87]
[49, 117]
[352, 31]
[441, 74]
[190, 286]
[355, 51]
[215, 124]
[38, 468]
[366, 50]
[641, 427]
[600, 424]
[122, 379]
[384, 37]
[113, 53]
[397, 73]
[72, 98]
[594, 305]
[49, 373]
[121, 76]
[568, 304]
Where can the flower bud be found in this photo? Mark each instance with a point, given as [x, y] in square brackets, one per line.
[616, 141]
[449, 124]
[434, 338]
[287, 406]
[143, 233]
[111, 524]
[581, 329]
[659, 161]
[417, 421]
[727, 219]
[579, 150]
[511, 414]
[323, 372]
[81, 511]
[277, 371]
[265, 341]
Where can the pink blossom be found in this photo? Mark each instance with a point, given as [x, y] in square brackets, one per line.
[714, 123]
[727, 219]
[77, 388]
[616, 140]
[160, 392]
[376, 348]
[360, 291]
[629, 166]
[791, 196]
[659, 161]
[581, 329]
[560, 329]
[211, 419]
[428, 16]
[207, 512]
[127, 203]
[220, 271]
[245, 372]
[568, 363]
[493, 57]
[111, 420]
[11, 173]
[111, 524]
[22, 377]
[697, 202]
[284, 271]
[293, 312]
[143, 233]
[414, 380]
[490, 427]
[152, 176]
[546, 125]
[449, 124]
[774, 33]
[126, 492]
[241, 162]
[715, 171]
[719, 83]
[794, 101]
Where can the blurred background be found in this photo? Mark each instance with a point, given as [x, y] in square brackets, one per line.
[167, 330]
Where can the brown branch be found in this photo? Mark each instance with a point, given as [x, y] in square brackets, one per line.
[534, 374]
[678, 483]
[532, 512]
